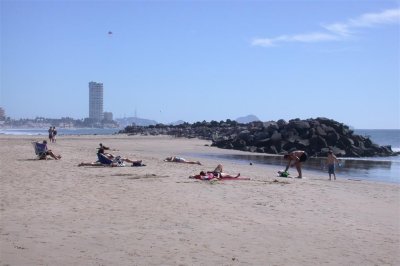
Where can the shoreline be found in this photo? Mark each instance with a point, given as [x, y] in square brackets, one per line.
[56, 213]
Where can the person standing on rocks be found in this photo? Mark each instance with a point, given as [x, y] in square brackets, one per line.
[297, 157]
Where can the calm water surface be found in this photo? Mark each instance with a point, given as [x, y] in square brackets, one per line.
[382, 169]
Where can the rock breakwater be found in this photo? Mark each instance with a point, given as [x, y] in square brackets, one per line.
[315, 136]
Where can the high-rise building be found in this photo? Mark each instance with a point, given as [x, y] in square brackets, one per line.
[2, 114]
[96, 101]
[108, 116]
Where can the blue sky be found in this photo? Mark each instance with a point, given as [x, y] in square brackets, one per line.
[204, 60]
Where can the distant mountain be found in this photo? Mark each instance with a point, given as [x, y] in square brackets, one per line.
[247, 119]
[128, 121]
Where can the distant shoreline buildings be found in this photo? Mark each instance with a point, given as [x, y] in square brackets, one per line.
[97, 118]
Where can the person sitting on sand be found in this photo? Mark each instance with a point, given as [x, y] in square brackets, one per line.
[298, 157]
[180, 160]
[50, 152]
[102, 149]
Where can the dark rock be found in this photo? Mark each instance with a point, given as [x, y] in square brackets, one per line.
[299, 125]
[260, 135]
[263, 142]
[320, 131]
[332, 138]
[271, 126]
[261, 150]
[239, 144]
[271, 149]
[317, 143]
[276, 137]
[281, 123]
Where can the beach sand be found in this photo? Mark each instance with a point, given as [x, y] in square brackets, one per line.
[55, 213]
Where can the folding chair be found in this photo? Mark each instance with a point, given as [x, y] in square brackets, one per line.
[107, 161]
[40, 150]
[101, 158]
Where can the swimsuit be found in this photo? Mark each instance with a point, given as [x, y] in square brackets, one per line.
[303, 157]
[179, 160]
[331, 168]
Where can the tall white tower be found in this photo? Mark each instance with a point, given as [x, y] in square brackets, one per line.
[96, 101]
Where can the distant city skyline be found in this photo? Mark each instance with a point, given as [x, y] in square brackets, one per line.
[204, 60]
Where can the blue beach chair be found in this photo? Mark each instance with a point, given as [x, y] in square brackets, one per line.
[101, 158]
[40, 150]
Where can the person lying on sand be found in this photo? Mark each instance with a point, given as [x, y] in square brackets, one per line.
[216, 174]
[114, 161]
[219, 173]
[180, 160]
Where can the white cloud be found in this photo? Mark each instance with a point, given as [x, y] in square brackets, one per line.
[371, 19]
[335, 31]
[307, 38]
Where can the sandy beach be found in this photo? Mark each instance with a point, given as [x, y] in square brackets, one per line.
[56, 213]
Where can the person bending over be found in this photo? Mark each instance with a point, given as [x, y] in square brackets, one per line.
[297, 157]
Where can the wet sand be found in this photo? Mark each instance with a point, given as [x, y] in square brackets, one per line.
[56, 213]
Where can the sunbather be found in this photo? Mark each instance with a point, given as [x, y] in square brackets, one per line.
[110, 159]
[180, 160]
[119, 158]
[216, 174]
[117, 161]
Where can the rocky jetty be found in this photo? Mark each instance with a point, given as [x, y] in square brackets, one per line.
[315, 136]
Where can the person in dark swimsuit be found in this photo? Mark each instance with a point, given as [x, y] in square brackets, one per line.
[297, 157]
